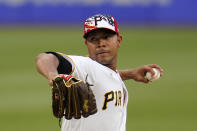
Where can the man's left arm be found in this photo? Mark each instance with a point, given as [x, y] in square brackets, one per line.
[138, 74]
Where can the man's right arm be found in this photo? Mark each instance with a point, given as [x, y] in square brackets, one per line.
[47, 65]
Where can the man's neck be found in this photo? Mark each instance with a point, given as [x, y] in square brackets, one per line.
[111, 66]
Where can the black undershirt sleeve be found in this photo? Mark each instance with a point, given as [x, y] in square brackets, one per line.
[64, 67]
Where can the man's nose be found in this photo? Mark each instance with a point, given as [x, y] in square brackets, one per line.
[101, 43]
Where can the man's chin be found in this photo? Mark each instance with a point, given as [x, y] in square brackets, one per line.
[103, 61]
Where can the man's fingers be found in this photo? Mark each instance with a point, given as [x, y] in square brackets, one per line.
[149, 69]
[50, 82]
[143, 79]
[158, 67]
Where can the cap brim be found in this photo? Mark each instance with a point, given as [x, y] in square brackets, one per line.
[86, 34]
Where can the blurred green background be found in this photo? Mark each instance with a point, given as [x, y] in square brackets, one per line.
[169, 104]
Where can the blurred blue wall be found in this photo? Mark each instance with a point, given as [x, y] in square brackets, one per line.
[75, 11]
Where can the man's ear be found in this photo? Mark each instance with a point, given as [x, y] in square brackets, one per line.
[85, 42]
[119, 39]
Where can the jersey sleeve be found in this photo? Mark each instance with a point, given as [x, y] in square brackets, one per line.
[77, 66]
[65, 66]
[82, 67]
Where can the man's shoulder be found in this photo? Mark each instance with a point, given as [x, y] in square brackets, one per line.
[80, 58]
[84, 61]
[74, 57]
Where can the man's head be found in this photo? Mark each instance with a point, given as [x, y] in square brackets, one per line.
[99, 22]
[102, 39]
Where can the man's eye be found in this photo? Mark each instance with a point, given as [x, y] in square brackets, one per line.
[105, 37]
[93, 39]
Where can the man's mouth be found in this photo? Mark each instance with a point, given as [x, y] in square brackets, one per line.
[101, 53]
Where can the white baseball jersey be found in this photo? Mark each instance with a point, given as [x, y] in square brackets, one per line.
[110, 93]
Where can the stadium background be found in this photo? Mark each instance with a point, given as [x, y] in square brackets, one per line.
[154, 31]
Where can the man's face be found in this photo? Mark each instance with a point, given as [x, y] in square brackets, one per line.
[103, 46]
